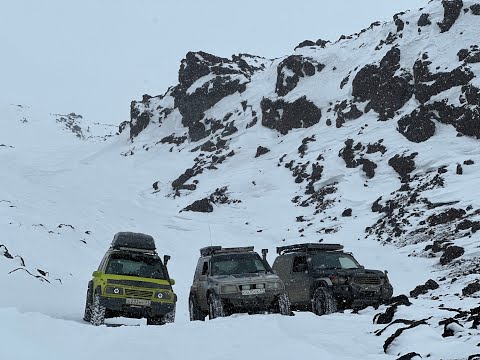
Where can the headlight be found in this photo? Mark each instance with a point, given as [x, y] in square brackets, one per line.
[113, 290]
[277, 285]
[228, 289]
[338, 280]
[163, 295]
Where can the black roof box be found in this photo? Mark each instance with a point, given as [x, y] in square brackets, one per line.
[133, 241]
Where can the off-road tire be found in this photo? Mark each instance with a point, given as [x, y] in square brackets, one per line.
[323, 302]
[97, 316]
[196, 313]
[87, 315]
[157, 320]
[169, 317]
[215, 307]
[283, 304]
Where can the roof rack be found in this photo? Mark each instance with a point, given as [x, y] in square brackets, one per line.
[212, 250]
[133, 242]
[308, 247]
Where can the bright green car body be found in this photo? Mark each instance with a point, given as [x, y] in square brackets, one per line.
[116, 294]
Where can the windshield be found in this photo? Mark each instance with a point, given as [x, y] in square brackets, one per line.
[332, 260]
[238, 264]
[135, 265]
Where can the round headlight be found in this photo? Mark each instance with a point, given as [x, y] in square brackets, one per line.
[116, 291]
[160, 295]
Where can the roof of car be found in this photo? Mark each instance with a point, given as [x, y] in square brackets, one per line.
[213, 250]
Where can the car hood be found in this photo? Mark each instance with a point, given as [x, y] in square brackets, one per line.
[350, 272]
[244, 278]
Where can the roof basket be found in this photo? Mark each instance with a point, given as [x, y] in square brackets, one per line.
[308, 247]
[211, 250]
[133, 242]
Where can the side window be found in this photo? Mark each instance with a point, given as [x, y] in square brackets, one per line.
[300, 264]
[205, 268]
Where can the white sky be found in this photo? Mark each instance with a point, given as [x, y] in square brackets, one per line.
[93, 57]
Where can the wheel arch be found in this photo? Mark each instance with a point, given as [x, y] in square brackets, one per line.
[320, 282]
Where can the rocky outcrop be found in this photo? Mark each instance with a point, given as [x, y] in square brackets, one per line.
[285, 116]
[290, 70]
[452, 10]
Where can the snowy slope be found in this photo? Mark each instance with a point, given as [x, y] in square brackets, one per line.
[69, 185]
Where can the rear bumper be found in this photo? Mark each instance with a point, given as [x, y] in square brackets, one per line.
[119, 305]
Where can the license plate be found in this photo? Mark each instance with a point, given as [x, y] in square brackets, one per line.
[253, 292]
[140, 302]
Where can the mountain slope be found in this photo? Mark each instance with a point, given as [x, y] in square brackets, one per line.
[370, 142]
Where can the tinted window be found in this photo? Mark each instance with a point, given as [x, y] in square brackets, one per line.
[300, 264]
[238, 264]
[135, 265]
[331, 260]
[205, 268]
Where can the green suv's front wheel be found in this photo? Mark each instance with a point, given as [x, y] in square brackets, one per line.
[97, 316]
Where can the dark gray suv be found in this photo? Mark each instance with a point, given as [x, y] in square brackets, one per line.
[234, 280]
[322, 278]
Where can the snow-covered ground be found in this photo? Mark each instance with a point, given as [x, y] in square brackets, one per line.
[67, 185]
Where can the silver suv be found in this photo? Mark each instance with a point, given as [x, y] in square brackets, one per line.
[234, 280]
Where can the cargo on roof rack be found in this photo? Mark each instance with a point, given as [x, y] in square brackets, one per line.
[211, 250]
[133, 242]
[308, 247]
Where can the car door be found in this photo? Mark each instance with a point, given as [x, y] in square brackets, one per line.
[299, 280]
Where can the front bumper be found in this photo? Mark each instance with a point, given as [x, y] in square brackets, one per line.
[358, 295]
[244, 303]
[119, 305]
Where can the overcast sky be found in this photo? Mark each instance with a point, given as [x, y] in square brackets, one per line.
[94, 56]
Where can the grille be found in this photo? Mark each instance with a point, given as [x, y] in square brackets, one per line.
[367, 280]
[139, 293]
[138, 284]
[253, 286]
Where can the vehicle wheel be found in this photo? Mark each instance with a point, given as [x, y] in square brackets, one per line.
[170, 317]
[195, 311]
[283, 304]
[157, 320]
[215, 307]
[87, 315]
[97, 316]
[323, 302]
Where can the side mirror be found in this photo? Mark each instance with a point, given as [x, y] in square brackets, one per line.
[172, 282]
[264, 254]
[165, 259]
[96, 273]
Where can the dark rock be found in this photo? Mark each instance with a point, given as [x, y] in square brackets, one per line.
[343, 114]
[284, 116]
[322, 43]
[261, 150]
[138, 121]
[202, 205]
[403, 165]
[446, 216]
[290, 70]
[468, 162]
[423, 289]
[122, 126]
[398, 300]
[409, 356]
[452, 10]
[344, 81]
[451, 253]
[387, 316]
[415, 127]
[475, 8]
[471, 288]
[172, 139]
[347, 212]
[424, 20]
[368, 167]
[379, 85]
[305, 43]
[459, 169]
[155, 186]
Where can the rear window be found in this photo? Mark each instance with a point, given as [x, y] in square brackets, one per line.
[135, 265]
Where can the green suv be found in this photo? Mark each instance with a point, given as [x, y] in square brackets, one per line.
[131, 281]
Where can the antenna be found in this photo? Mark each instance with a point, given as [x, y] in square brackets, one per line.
[210, 231]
